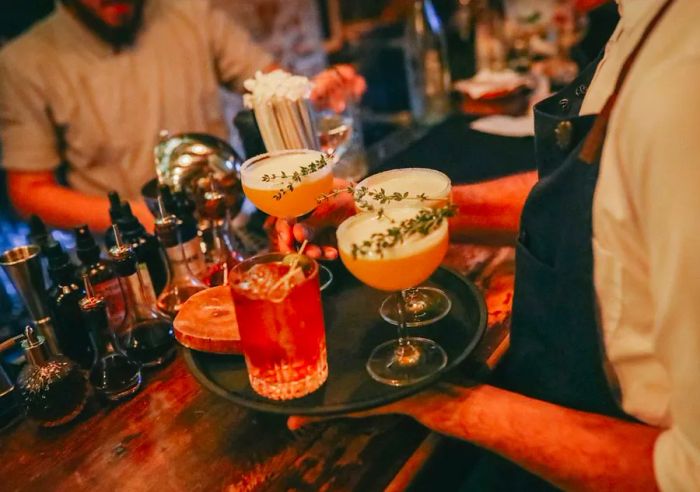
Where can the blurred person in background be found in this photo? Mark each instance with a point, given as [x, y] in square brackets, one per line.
[89, 87]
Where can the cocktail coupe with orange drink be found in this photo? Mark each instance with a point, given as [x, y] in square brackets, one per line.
[397, 188]
[396, 250]
[287, 184]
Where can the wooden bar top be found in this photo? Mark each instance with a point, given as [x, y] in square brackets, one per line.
[176, 436]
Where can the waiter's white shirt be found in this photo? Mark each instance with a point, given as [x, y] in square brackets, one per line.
[646, 228]
[65, 95]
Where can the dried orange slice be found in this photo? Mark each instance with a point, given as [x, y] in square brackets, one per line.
[207, 322]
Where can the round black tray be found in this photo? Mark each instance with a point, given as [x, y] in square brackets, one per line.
[353, 329]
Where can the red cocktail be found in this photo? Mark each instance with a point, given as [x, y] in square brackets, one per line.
[280, 319]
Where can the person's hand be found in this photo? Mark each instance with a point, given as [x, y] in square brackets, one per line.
[318, 229]
[334, 86]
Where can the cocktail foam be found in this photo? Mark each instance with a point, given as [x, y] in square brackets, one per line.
[362, 226]
[433, 184]
[283, 162]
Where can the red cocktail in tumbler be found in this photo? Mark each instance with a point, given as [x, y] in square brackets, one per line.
[280, 319]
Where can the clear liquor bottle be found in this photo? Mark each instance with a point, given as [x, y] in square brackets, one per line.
[429, 81]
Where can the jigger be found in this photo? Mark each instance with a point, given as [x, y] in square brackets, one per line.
[23, 266]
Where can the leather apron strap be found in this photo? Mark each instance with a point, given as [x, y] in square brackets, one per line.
[593, 145]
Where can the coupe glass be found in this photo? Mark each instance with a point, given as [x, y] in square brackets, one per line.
[406, 360]
[264, 185]
[423, 305]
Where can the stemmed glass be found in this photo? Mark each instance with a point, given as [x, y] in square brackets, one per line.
[397, 188]
[407, 262]
[286, 184]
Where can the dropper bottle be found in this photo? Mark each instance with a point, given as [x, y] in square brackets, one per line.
[113, 375]
[145, 245]
[220, 256]
[187, 230]
[64, 298]
[182, 282]
[101, 274]
[39, 234]
[146, 336]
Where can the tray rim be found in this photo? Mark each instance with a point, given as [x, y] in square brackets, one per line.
[396, 395]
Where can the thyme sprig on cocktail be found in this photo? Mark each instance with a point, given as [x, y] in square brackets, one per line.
[426, 221]
[289, 179]
[360, 195]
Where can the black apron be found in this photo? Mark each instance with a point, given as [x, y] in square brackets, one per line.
[556, 351]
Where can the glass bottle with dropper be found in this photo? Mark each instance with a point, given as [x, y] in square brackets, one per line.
[101, 274]
[64, 298]
[146, 336]
[145, 245]
[182, 282]
[113, 375]
[187, 230]
[221, 255]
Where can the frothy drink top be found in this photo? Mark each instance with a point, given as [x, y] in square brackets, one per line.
[415, 181]
[360, 228]
[288, 162]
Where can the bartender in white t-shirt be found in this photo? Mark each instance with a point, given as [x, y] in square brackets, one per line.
[92, 85]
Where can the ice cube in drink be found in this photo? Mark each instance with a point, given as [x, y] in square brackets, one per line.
[280, 319]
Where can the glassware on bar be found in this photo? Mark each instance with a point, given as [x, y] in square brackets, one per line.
[427, 63]
[146, 335]
[183, 257]
[154, 271]
[288, 183]
[64, 301]
[396, 264]
[101, 274]
[424, 187]
[280, 319]
[113, 375]
[340, 137]
[267, 179]
[53, 387]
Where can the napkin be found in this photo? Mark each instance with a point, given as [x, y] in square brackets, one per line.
[487, 83]
[507, 126]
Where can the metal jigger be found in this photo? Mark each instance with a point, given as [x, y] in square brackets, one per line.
[23, 266]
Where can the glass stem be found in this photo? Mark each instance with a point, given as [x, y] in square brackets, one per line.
[404, 345]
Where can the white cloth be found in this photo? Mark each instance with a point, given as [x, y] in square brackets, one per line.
[646, 231]
[66, 96]
[506, 126]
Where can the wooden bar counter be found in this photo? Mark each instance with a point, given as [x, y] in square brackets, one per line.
[176, 436]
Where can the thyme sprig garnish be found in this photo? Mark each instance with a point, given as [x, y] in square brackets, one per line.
[360, 195]
[288, 179]
[426, 221]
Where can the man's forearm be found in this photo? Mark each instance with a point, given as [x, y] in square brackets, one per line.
[491, 207]
[63, 207]
[571, 449]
